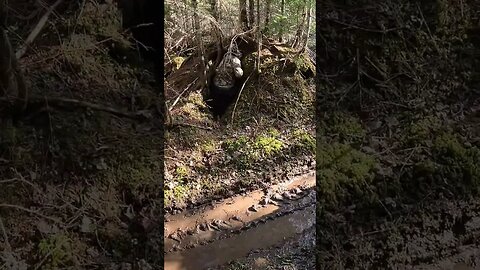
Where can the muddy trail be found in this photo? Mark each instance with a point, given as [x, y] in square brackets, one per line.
[214, 235]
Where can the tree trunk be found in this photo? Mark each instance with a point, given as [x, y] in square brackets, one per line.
[243, 15]
[251, 13]
[282, 10]
[198, 34]
[259, 36]
[309, 24]
[301, 27]
[267, 14]
[214, 9]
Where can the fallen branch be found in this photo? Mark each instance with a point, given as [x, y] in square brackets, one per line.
[189, 125]
[180, 95]
[68, 103]
[238, 98]
[18, 207]
[36, 30]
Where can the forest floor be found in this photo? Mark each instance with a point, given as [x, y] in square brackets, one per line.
[398, 148]
[83, 188]
[265, 141]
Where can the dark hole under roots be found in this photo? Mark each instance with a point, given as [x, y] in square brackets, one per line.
[220, 99]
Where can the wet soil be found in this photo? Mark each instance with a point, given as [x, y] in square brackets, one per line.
[435, 234]
[230, 230]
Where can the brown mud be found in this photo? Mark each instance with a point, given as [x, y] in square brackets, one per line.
[214, 235]
[435, 234]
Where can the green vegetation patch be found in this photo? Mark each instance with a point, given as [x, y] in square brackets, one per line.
[344, 173]
[347, 127]
[458, 165]
[57, 249]
[245, 151]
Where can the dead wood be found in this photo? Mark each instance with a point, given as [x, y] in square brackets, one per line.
[45, 103]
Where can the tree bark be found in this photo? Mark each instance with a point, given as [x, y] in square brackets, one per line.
[309, 24]
[259, 36]
[198, 34]
[251, 13]
[301, 27]
[267, 14]
[243, 15]
[282, 12]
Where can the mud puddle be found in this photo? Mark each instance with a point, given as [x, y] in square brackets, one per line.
[216, 234]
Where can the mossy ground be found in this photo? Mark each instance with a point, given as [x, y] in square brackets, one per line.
[270, 130]
[84, 186]
[395, 121]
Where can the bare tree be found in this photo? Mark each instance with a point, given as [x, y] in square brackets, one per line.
[301, 27]
[243, 14]
[251, 13]
[268, 9]
[259, 36]
[198, 34]
[282, 11]
[309, 25]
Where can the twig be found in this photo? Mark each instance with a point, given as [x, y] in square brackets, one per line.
[18, 207]
[50, 252]
[180, 95]
[36, 30]
[428, 29]
[238, 98]
[8, 180]
[68, 103]
[190, 125]
[365, 29]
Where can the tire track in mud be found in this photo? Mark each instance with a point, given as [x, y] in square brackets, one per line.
[215, 234]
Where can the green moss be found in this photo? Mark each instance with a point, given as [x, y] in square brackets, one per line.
[344, 173]
[246, 151]
[345, 126]
[57, 249]
[458, 164]
[99, 19]
[181, 171]
[238, 144]
[268, 144]
[303, 63]
[177, 194]
[304, 140]
[421, 131]
[209, 146]
[425, 168]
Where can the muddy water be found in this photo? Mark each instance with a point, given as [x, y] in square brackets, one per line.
[216, 234]
[235, 207]
[233, 214]
[264, 235]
